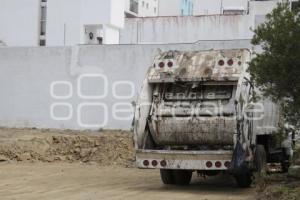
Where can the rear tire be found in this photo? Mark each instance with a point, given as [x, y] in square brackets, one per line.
[260, 159]
[285, 162]
[182, 177]
[244, 180]
[166, 176]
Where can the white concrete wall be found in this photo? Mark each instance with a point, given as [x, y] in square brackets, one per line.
[20, 22]
[186, 29]
[169, 8]
[111, 35]
[259, 10]
[215, 7]
[261, 7]
[26, 75]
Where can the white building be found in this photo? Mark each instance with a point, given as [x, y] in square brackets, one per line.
[232, 24]
[20, 22]
[175, 7]
[141, 8]
[148, 8]
[71, 22]
[131, 8]
[217, 7]
[252, 7]
[60, 22]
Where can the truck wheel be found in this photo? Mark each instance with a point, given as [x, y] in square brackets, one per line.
[182, 177]
[244, 180]
[166, 176]
[285, 161]
[285, 167]
[260, 159]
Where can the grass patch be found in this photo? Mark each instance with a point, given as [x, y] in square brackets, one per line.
[277, 187]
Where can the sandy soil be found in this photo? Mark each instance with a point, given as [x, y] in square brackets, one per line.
[64, 181]
[83, 165]
[102, 147]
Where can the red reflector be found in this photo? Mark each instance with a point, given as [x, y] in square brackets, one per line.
[221, 62]
[209, 164]
[163, 163]
[146, 163]
[218, 164]
[227, 164]
[230, 62]
[170, 64]
[154, 163]
[161, 64]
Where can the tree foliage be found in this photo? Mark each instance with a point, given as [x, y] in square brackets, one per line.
[276, 71]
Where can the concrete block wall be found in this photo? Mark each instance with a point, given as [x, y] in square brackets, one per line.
[83, 87]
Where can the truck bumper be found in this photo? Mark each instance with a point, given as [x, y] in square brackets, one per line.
[189, 160]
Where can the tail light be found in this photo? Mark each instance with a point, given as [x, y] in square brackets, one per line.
[227, 164]
[154, 163]
[163, 163]
[230, 62]
[170, 64]
[218, 164]
[209, 164]
[146, 163]
[161, 64]
[221, 62]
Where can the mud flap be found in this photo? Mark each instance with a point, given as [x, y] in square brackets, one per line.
[238, 162]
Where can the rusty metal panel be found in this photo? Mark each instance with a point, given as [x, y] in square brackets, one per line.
[198, 66]
[194, 130]
[269, 120]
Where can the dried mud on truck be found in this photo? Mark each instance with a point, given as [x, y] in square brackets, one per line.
[196, 113]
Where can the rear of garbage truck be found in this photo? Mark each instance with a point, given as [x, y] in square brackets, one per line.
[194, 114]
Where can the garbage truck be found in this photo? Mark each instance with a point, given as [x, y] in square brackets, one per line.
[196, 112]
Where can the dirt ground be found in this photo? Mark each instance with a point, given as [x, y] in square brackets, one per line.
[108, 147]
[62, 165]
[75, 181]
[84, 165]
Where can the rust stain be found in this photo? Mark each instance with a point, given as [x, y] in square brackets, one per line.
[200, 64]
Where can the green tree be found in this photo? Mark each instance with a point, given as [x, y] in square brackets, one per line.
[276, 71]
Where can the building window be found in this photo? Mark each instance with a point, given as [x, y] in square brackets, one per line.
[143, 3]
[155, 9]
[42, 42]
[43, 22]
[147, 5]
[134, 6]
